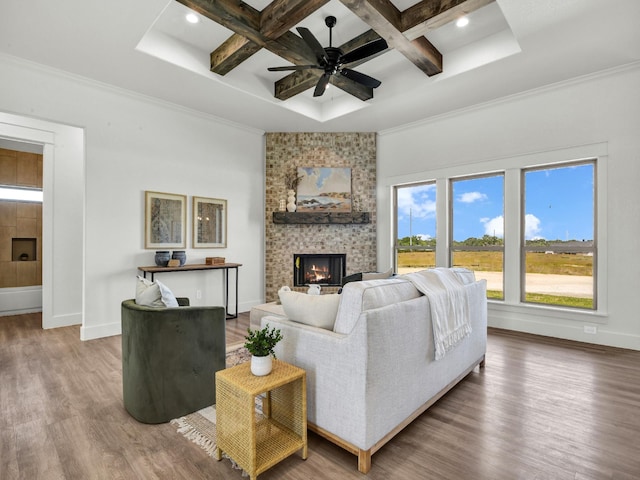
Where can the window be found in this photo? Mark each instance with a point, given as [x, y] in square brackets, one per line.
[558, 235]
[529, 228]
[415, 245]
[477, 229]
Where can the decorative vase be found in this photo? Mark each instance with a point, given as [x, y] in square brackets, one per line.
[261, 366]
[180, 255]
[162, 258]
[291, 201]
[314, 289]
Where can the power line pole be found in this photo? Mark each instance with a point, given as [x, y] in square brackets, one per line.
[410, 227]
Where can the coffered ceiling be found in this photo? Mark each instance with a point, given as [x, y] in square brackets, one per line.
[219, 65]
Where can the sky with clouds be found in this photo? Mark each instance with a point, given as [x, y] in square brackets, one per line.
[558, 205]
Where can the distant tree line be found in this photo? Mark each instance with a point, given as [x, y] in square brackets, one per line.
[483, 241]
[416, 240]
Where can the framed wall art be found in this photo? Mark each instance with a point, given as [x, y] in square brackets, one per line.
[324, 189]
[209, 222]
[165, 220]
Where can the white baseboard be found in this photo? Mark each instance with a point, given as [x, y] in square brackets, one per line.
[561, 328]
[19, 300]
[100, 331]
[6, 313]
[57, 321]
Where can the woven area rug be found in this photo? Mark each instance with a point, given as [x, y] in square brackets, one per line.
[200, 426]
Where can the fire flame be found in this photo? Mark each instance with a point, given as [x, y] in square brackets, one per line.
[317, 274]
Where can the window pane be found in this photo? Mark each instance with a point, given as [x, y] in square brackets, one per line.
[559, 235]
[415, 227]
[478, 229]
[411, 260]
[486, 265]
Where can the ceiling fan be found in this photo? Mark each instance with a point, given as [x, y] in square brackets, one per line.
[332, 59]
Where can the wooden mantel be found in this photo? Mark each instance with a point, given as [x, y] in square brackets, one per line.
[321, 217]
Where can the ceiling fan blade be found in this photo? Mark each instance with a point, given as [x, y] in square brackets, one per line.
[321, 86]
[313, 43]
[364, 51]
[365, 80]
[293, 68]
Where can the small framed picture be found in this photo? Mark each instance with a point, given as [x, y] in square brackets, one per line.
[209, 223]
[165, 220]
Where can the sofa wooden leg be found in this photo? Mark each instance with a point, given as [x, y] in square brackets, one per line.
[482, 362]
[364, 461]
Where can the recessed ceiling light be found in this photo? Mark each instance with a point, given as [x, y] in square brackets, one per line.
[462, 22]
[192, 18]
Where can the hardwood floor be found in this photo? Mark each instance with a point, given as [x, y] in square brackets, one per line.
[541, 409]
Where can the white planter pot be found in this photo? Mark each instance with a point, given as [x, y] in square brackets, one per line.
[261, 366]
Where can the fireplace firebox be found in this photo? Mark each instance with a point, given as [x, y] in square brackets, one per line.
[319, 268]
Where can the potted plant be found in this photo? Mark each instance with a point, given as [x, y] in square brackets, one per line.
[260, 344]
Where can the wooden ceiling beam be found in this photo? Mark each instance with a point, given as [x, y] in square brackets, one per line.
[238, 17]
[274, 21]
[295, 83]
[270, 29]
[282, 15]
[383, 17]
[244, 21]
[235, 50]
[425, 16]
[303, 80]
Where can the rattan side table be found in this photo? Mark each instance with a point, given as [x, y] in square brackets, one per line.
[257, 441]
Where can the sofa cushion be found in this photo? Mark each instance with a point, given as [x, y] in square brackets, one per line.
[266, 309]
[154, 294]
[316, 310]
[358, 297]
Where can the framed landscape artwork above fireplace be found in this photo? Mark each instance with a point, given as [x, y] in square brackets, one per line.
[324, 189]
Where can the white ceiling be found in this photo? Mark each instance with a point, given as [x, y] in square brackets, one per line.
[146, 46]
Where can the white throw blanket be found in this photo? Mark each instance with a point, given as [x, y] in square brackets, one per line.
[449, 306]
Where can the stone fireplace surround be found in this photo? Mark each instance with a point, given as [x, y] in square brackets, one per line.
[285, 152]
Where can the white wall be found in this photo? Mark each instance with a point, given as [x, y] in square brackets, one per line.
[133, 144]
[582, 115]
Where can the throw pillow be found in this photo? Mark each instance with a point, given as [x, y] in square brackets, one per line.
[357, 277]
[315, 310]
[377, 275]
[154, 294]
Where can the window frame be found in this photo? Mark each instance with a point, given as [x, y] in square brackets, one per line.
[504, 312]
[451, 248]
[524, 248]
[420, 248]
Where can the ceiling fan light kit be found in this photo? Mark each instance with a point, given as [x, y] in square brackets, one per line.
[332, 60]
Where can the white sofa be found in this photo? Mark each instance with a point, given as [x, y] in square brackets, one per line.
[375, 371]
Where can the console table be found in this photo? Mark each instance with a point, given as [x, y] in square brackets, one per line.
[225, 267]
